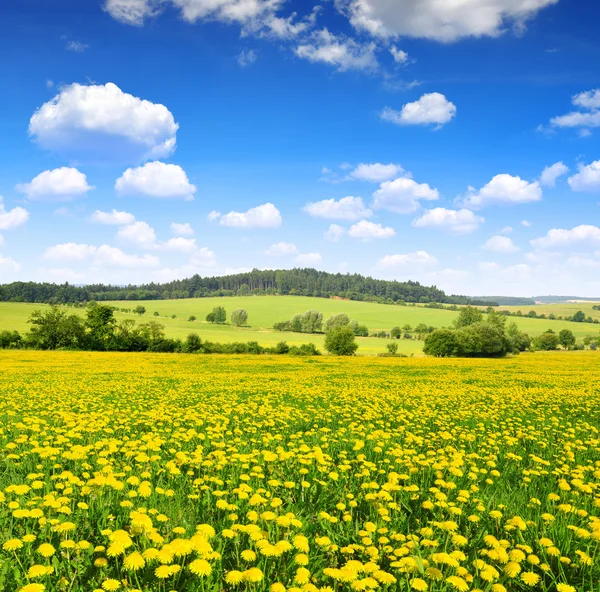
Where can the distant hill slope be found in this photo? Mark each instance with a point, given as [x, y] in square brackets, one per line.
[559, 299]
[298, 282]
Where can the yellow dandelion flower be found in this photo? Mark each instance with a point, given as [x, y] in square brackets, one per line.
[200, 567]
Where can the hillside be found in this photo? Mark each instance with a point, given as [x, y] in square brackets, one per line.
[263, 311]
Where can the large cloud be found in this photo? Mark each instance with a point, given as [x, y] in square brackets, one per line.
[265, 216]
[440, 20]
[583, 235]
[102, 256]
[502, 189]
[418, 258]
[431, 108]
[365, 230]
[402, 195]
[101, 122]
[500, 244]
[63, 184]
[12, 218]
[589, 115]
[587, 179]
[346, 208]
[157, 180]
[139, 234]
[114, 218]
[454, 221]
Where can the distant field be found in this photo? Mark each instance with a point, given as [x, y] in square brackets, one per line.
[564, 309]
[263, 311]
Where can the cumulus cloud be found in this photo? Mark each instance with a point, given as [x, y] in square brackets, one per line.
[400, 56]
[338, 51]
[500, 244]
[309, 259]
[587, 179]
[282, 249]
[454, 221]
[587, 117]
[132, 12]
[182, 229]
[375, 172]
[101, 122]
[445, 21]
[12, 218]
[334, 233]
[213, 216]
[582, 235]
[138, 234]
[179, 244]
[113, 218]
[552, 173]
[402, 195]
[431, 108]
[103, 256]
[347, 208]
[502, 189]
[265, 216]
[157, 180]
[8, 264]
[365, 230]
[62, 184]
[418, 258]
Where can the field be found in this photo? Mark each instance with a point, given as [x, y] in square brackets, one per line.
[204, 473]
[563, 309]
[265, 310]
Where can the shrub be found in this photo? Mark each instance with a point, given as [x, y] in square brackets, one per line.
[341, 341]
[192, 318]
[546, 341]
[392, 348]
[193, 343]
[396, 333]
[338, 320]
[239, 317]
[442, 343]
[218, 315]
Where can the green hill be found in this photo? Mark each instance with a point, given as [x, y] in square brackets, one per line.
[263, 311]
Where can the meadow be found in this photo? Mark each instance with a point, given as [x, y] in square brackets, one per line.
[263, 311]
[158, 473]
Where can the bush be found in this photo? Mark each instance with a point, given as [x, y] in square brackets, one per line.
[484, 340]
[239, 317]
[546, 341]
[306, 349]
[10, 339]
[338, 320]
[193, 343]
[341, 341]
[442, 343]
[192, 318]
[567, 339]
[281, 348]
[392, 348]
[218, 315]
[396, 333]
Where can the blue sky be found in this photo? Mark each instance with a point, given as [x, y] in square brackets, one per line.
[148, 140]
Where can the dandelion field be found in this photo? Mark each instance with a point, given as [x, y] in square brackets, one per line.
[210, 473]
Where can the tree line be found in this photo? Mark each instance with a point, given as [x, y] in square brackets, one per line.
[300, 282]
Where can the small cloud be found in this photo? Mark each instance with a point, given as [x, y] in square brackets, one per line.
[77, 46]
[400, 56]
[282, 249]
[62, 184]
[431, 108]
[526, 223]
[500, 244]
[552, 173]
[114, 218]
[366, 231]
[213, 216]
[334, 233]
[247, 57]
[182, 229]
[265, 216]
[346, 208]
[309, 259]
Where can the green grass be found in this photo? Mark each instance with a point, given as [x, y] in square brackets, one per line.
[263, 311]
[564, 309]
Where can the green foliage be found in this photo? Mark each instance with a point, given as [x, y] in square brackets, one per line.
[338, 320]
[547, 341]
[483, 340]
[309, 322]
[10, 339]
[392, 348]
[567, 339]
[396, 333]
[239, 317]
[341, 341]
[469, 315]
[217, 316]
[54, 329]
[442, 343]
[139, 310]
[192, 318]
[578, 317]
[193, 343]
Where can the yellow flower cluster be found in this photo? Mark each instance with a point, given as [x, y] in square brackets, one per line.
[159, 473]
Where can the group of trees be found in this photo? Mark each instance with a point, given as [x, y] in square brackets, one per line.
[474, 336]
[311, 321]
[57, 328]
[578, 317]
[407, 331]
[239, 317]
[301, 282]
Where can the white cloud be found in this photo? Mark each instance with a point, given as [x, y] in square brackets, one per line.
[247, 57]
[157, 180]
[502, 189]
[12, 218]
[114, 218]
[402, 195]
[179, 244]
[282, 249]
[347, 208]
[587, 179]
[203, 257]
[335, 50]
[526, 223]
[445, 21]
[400, 56]
[213, 216]
[454, 221]
[334, 233]
[588, 100]
[104, 255]
[62, 184]
[132, 12]
[552, 173]
[488, 266]
[376, 172]
[101, 122]
[69, 252]
[506, 230]
[309, 259]
[265, 216]
[500, 244]
[418, 258]
[138, 234]
[182, 229]
[63, 274]
[369, 230]
[584, 234]
[431, 108]
[77, 46]
[8, 264]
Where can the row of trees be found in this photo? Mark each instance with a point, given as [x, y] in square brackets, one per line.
[301, 282]
[56, 328]
[311, 321]
[578, 317]
[239, 317]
